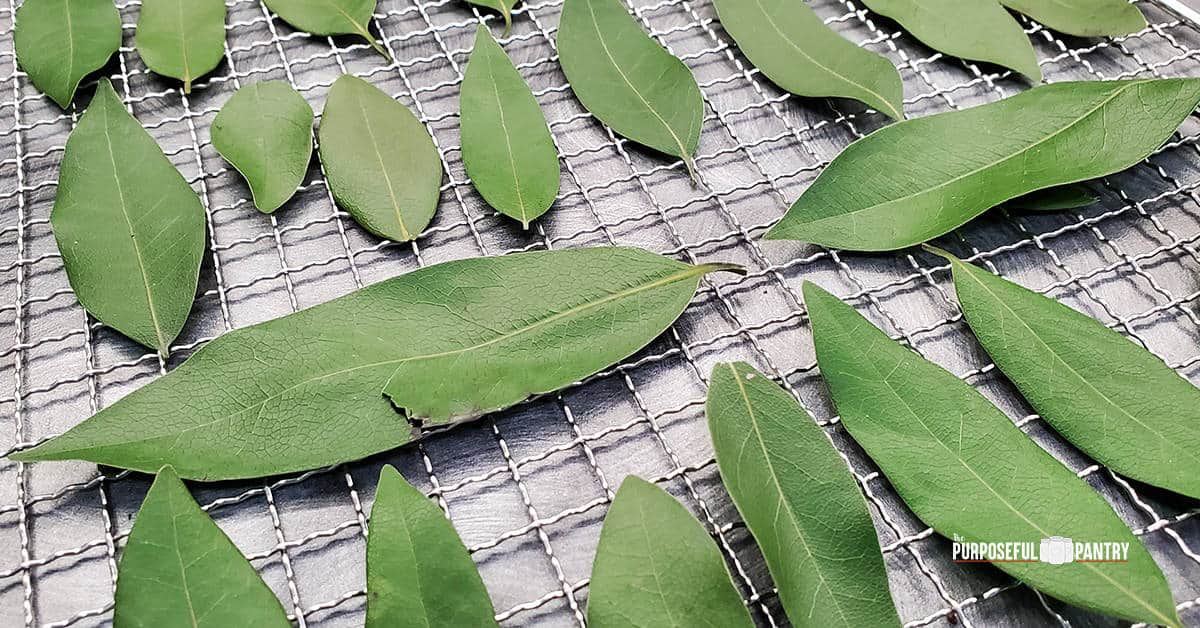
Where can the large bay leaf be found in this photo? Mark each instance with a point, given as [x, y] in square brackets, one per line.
[179, 569]
[58, 42]
[657, 566]
[305, 390]
[968, 471]
[919, 179]
[794, 48]
[507, 148]
[381, 163]
[1083, 18]
[419, 573]
[628, 81]
[800, 502]
[183, 39]
[129, 227]
[1111, 398]
[329, 17]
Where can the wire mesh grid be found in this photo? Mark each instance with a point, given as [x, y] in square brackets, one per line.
[527, 488]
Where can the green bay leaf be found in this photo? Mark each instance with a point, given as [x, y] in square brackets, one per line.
[265, 131]
[1083, 18]
[330, 17]
[1055, 199]
[656, 563]
[58, 42]
[507, 148]
[182, 39]
[306, 390]
[381, 163]
[800, 502]
[179, 569]
[968, 471]
[419, 573]
[628, 81]
[794, 48]
[919, 179]
[130, 229]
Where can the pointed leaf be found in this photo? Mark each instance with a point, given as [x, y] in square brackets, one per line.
[628, 81]
[794, 48]
[506, 145]
[966, 470]
[179, 569]
[329, 17]
[657, 564]
[183, 39]
[381, 163]
[800, 502]
[505, 8]
[1055, 199]
[919, 179]
[1083, 18]
[58, 42]
[129, 227]
[305, 391]
[265, 131]
[419, 573]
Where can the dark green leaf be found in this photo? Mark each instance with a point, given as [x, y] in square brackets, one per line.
[505, 8]
[1083, 18]
[58, 42]
[183, 39]
[1055, 199]
[329, 17]
[966, 470]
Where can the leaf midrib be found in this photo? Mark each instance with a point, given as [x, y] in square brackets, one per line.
[383, 170]
[512, 163]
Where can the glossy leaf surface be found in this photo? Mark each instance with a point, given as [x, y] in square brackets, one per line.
[1083, 18]
[1055, 199]
[329, 17]
[183, 39]
[58, 42]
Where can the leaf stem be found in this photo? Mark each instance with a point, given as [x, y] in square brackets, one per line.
[690, 164]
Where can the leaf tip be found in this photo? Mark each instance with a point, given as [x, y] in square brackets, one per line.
[717, 267]
[948, 256]
[690, 164]
[507, 22]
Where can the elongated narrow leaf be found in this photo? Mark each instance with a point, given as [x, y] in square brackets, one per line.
[627, 80]
[656, 563]
[329, 17]
[795, 49]
[381, 163]
[980, 30]
[1111, 398]
[58, 42]
[1083, 18]
[265, 131]
[799, 501]
[183, 39]
[505, 8]
[305, 390]
[913, 181]
[419, 573]
[129, 227]
[1055, 199]
[179, 569]
[966, 470]
[506, 145]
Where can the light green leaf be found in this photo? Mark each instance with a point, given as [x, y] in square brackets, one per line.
[305, 391]
[980, 30]
[506, 145]
[265, 131]
[505, 8]
[58, 42]
[657, 564]
[800, 502]
[919, 179]
[1083, 18]
[966, 470]
[183, 39]
[628, 81]
[129, 227]
[381, 163]
[419, 573]
[330, 17]
[1055, 199]
[179, 569]
[794, 48]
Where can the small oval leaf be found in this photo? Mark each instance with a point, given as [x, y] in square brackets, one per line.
[507, 148]
[265, 131]
[1083, 18]
[183, 39]
[381, 163]
[330, 17]
[968, 471]
[58, 42]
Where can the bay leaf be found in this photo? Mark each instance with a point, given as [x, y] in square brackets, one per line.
[969, 472]
[505, 8]
[304, 391]
[419, 573]
[1083, 18]
[330, 17]
[919, 179]
[656, 563]
[794, 48]
[979, 30]
[506, 145]
[182, 39]
[800, 502]
[1055, 199]
[58, 42]
[381, 163]
[179, 569]
[265, 131]
[628, 81]
[130, 229]
[1108, 396]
